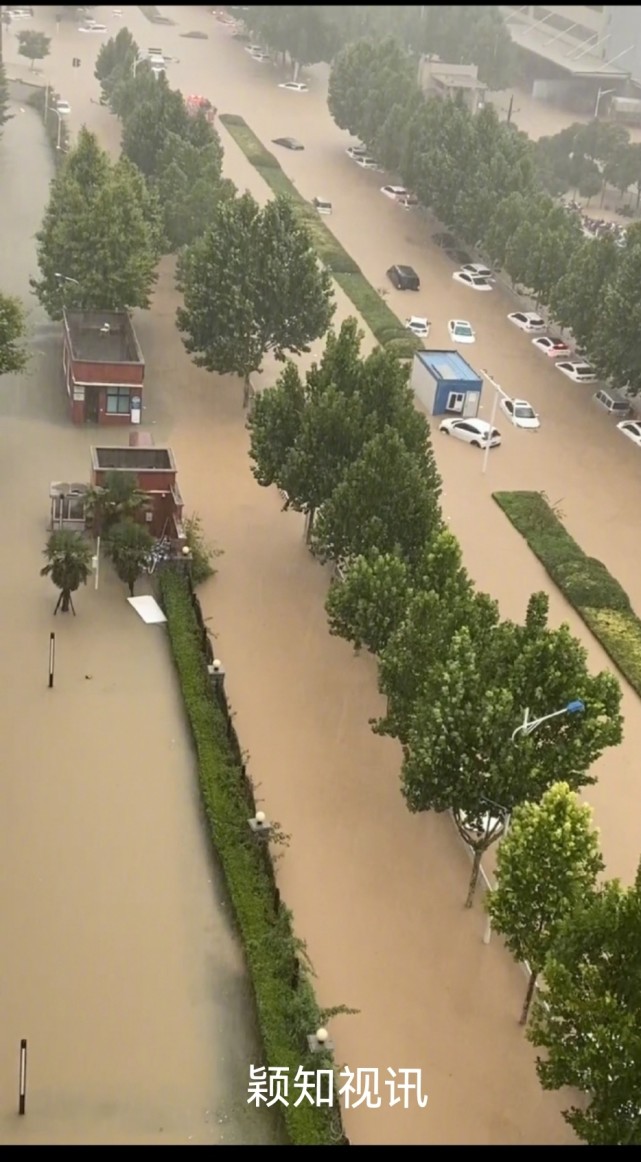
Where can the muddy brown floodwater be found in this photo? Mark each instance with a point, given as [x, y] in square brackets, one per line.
[119, 961]
[377, 893]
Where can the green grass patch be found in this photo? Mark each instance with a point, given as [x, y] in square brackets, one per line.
[379, 317]
[285, 1000]
[595, 594]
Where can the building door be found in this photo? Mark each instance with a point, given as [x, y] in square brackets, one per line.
[92, 404]
[455, 401]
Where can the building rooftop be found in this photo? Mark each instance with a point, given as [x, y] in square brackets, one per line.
[449, 365]
[127, 459]
[102, 337]
[576, 58]
[457, 81]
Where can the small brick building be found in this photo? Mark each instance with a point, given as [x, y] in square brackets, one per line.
[103, 367]
[155, 472]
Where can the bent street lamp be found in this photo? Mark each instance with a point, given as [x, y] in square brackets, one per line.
[528, 726]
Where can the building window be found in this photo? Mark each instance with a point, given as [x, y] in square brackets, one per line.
[117, 401]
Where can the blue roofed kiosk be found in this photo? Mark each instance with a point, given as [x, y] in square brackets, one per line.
[445, 384]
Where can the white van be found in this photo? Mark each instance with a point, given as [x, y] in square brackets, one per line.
[612, 402]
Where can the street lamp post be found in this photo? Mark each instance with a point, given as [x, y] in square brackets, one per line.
[601, 93]
[527, 727]
[59, 116]
[498, 392]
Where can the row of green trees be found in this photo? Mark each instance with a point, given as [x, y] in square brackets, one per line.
[459, 34]
[346, 447]
[490, 184]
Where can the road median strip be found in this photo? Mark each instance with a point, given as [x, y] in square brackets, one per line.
[287, 1008]
[593, 592]
[385, 326]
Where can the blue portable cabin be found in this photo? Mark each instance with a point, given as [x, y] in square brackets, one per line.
[445, 384]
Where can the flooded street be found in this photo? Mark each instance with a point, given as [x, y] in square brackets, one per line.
[119, 963]
[105, 850]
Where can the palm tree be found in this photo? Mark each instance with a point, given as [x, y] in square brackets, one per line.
[68, 564]
[128, 546]
[118, 499]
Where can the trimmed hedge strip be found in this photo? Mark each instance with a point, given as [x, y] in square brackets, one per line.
[285, 1000]
[595, 594]
[380, 319]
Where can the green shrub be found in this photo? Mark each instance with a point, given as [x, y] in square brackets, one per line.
[287, 1007]
[620, 635]
[595, 594]
[251, 146]
[202, 553]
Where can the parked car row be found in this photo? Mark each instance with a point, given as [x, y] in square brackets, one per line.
[479, 277]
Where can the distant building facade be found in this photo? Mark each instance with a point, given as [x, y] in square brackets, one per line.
[578, 50]
[436, 78]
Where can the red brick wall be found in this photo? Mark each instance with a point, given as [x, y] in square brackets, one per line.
[116, 373]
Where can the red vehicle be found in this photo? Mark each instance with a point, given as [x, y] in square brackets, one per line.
[196, 105]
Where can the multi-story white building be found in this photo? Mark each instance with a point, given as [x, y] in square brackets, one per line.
[573, 52]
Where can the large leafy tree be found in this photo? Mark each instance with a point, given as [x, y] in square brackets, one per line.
[388, 500]
[615, 343]
[547, 863]
[367, 80]
[68, 564]
[116, 56]
[455, 710]
[189, 185]
[589, 1022]
[577, 299]
[147, 123]
[542, 247]
[307, 34]
[34, 45]
[100, 230]
[368, 604]
[252, 284]
[13, 355]
[304, 437]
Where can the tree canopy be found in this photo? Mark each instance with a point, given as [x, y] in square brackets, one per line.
[457, 682]
[304, 437]
[252, 284]
[101, 232]
[34, 45]
[13, 355]
[189, 185]
[590, 1021]
[387, 500]
[547, 863]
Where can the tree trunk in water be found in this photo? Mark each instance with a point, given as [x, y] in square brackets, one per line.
[247, 391]
[66, 601]
[296, 70]
[474, 878]
[309, 525]
[131, 588]
[525, 1011]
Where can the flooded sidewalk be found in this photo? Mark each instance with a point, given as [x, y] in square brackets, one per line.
[120, 964]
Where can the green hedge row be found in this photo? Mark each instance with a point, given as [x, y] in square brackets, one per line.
[380, 319]
[287, 1008]
[595, 594]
